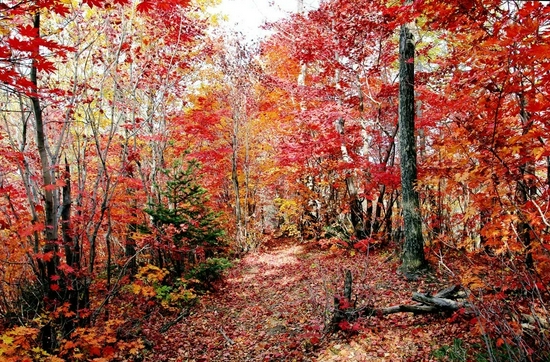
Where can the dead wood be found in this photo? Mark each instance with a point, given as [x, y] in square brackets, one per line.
[403, 308]
[534, 322]
[442, 301]
[184, 313]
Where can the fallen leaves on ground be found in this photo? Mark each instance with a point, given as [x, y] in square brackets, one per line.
[274, 305]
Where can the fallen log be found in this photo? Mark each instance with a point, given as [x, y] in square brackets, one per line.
[448, 292]
[442, 301]
[403, 308]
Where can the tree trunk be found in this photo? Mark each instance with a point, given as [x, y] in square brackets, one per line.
[240, 232]
[526, 189]
[412, 258]
[356, 209]
[48, 332]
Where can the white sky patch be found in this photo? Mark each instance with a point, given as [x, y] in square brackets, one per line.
[247, 16]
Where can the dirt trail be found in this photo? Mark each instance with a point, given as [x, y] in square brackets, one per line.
[273, 305]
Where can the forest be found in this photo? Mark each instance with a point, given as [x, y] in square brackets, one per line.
[370, 182]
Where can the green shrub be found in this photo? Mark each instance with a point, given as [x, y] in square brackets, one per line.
[454, 353]
[209, 271]
[485, 352]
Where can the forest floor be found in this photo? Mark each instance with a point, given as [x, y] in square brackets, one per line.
[274, 305]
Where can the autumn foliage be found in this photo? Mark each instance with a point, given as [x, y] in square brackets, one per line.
[141, 150]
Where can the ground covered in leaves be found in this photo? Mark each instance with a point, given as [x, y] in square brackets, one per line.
[274, 305]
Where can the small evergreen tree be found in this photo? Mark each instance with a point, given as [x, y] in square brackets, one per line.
[182, 218]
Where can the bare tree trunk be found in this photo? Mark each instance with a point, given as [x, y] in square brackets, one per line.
[239, 232]
[50, 203]
[356, 209]
[412, 257]
[526, 189]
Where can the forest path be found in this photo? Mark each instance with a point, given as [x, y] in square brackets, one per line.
[274, 303]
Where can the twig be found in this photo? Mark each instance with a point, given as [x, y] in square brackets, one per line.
[229, 340]
[442, 264]
[184, 313]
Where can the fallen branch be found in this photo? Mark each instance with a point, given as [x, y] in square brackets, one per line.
[442, 303]
[448, 292]
[229, 340]
[344, 309]
[184, 313]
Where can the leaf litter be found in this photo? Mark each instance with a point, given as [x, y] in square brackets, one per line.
[274, 305]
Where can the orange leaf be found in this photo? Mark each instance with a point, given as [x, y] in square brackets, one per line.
[69, 345]
[50, 187]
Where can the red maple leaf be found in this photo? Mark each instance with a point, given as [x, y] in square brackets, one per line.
[66, 268]
[25, 46]
[61, 10]
[108, 351]
[145, 6]
[344, 325]
[45, 257]
[28, 31]
[362, 245]
[92, 3]
[95, 351]
[45, 66]
[50, 187]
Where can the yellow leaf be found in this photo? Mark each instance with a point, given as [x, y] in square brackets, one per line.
[136, 288]
[7, 340]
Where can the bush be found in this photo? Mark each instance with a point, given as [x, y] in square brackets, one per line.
[152, 283]
[489, 351]
[182, 219]
[210, 271]
[455, 352]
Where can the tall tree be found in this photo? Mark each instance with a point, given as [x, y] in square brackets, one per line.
[413, 258]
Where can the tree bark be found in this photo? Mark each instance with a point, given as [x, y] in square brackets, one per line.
[49, 268]
[526, 188]
[412, 258]
[356, 209]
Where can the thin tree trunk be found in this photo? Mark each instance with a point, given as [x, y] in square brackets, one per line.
[526, 188]
[356, 209]
[240, 237]
[50, 206]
